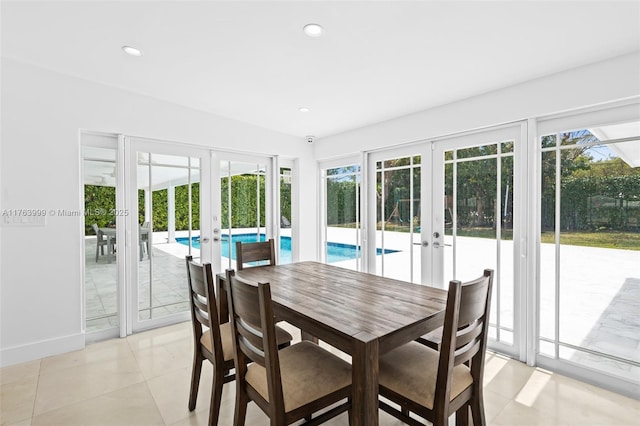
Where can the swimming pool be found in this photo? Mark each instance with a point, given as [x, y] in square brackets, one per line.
[336, 252]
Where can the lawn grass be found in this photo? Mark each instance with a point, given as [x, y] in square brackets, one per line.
[603, 239]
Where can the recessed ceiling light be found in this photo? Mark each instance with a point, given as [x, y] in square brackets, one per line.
[132, 51]
[313, 30]
[304, 109]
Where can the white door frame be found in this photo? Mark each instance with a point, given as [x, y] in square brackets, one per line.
[369, 214]
[272, 180]
[432, 184]
[516, 132]
[132, 146]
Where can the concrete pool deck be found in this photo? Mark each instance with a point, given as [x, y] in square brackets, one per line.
[599, 296]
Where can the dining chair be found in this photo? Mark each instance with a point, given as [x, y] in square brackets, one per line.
[290, 384]
[260, 251]
[435, 384]
[211, 340]
[101, 241]
[143, 238]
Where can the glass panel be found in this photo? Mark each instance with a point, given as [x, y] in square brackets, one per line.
[547, 348]
[285, 216]
[101, 269]
[397, 162]
[506, 147]
[106, 155]
[548, 141]
[355, 169]
[168, 230]
[600, 253]
[398, 205]
[169, 160]
[547, 246]
[506, 282]
[479, 217]
[342, 216]
[476, 228]
[243, 206]
[599, 248]
[477, 151]
[449, 217]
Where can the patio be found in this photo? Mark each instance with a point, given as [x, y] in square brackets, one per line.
[599, 297]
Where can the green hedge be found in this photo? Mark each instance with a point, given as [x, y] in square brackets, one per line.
[243, 196]
[99, 201]
[600, 202]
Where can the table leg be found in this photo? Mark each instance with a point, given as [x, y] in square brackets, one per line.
[365, 381]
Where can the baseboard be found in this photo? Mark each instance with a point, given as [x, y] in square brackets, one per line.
[42, 349]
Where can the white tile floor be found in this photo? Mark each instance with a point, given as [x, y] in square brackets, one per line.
[144, 380]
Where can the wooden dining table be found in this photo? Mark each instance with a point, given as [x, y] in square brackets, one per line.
[363, 315]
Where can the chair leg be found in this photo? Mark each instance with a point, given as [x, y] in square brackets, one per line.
[241, 407]
[97, 251]
[195, 381]
[477, 408]
[440, 420]
[216, 397]
[462, 416]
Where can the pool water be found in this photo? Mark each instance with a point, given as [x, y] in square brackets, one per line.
[336, 252]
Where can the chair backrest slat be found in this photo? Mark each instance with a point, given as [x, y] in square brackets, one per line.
[262, 251]
[468, 334]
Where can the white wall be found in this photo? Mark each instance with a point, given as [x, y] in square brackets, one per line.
[594, 84]
[42, 112]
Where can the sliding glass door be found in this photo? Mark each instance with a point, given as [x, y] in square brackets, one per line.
[243, 190]
[340, 222]
[169, 220]
[589, 232]
[103, 199]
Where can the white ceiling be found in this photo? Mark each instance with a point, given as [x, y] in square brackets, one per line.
[378, 60]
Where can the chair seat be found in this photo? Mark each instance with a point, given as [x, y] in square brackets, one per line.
[411, 370]
[226, 335]
[308, 373]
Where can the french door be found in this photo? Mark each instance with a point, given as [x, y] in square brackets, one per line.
[447, 209]
[245, 207]
[477, 219]
[169, 218]
[398, 204]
